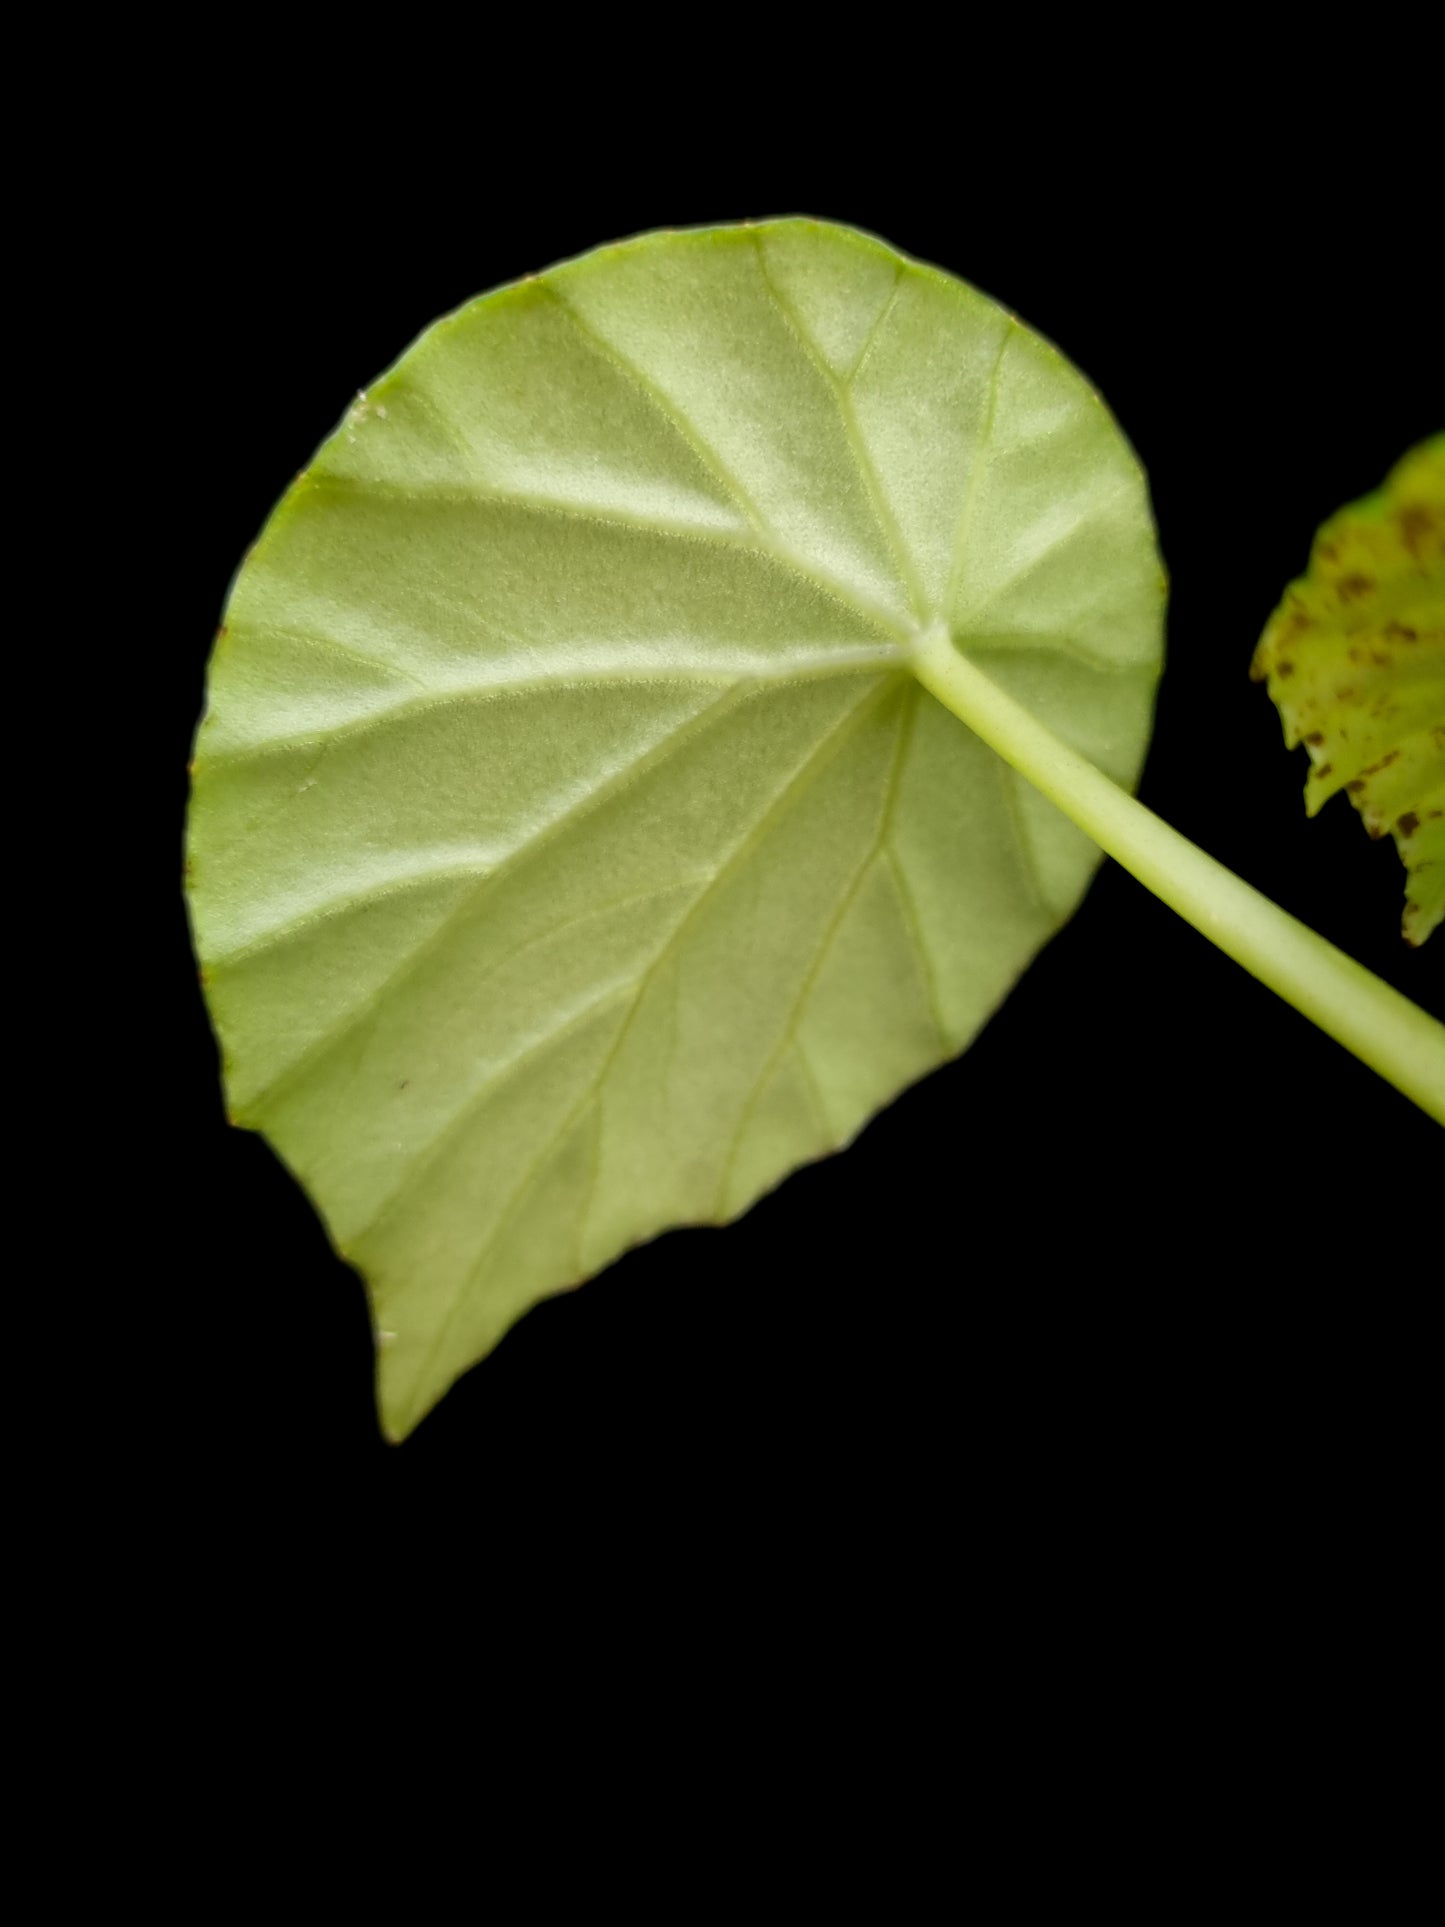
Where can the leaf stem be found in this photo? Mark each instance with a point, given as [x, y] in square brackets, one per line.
[1379, 1025]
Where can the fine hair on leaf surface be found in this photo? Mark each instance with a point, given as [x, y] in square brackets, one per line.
[662, 723]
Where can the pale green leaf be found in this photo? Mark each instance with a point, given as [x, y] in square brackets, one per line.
[572, 851]
[1354, 658]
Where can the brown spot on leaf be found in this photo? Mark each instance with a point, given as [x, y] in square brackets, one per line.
[1356, 786]
[1352, 587]
[1401, 631]
[1408, 824]
[1283, 669]
[1415, 523]
[1324, 770]
[1316, 736]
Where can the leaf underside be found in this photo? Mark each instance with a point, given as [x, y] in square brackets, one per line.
[572, 852]
[1354, 659]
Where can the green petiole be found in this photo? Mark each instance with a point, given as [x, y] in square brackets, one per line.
[1381, 1027]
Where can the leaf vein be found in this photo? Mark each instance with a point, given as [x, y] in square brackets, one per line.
[426, 1156]
[877, 328]
[788, 1034]
[642, 766]
[878, 502]
[977, 472]
[741, 497]
[1028, 861]
[824, 753]
[818, 759]
[907, 906]
[846, 660]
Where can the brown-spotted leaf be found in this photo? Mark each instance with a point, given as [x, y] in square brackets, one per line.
[1354, 658]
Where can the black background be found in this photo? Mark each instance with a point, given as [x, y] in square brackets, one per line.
[1151, 1264]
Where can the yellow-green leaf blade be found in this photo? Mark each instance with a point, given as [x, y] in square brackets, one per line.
[1354, 659]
